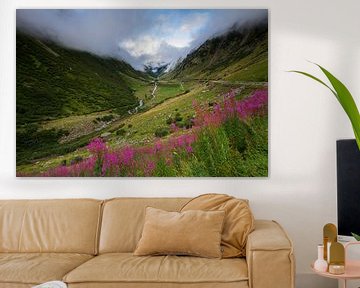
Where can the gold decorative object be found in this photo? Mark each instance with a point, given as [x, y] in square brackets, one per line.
[337, 258]
[330, 236]
[336, 269]
[337, 254]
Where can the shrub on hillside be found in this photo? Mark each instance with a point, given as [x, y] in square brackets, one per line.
[120, 132]
[169, 121]
[189, 122]
[178, 117]
[105, 118]
[161, 132]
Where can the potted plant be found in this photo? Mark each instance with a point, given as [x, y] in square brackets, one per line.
[345, 99]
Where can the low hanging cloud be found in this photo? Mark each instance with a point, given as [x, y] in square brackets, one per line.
[144, 45]
[134, 35]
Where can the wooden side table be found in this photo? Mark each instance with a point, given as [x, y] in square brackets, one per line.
[352, 268]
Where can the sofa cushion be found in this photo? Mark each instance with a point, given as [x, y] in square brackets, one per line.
[15, 285]
[63, 226]
[123, 220]
[126, 268]
[239, 220]
[237, 284]
[36, 268]
[193, 232]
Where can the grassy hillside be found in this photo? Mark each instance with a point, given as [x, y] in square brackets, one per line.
[55, 82]
[238, 55]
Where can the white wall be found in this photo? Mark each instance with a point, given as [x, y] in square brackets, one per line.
[305, 121]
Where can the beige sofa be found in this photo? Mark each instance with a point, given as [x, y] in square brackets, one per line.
[89, 243]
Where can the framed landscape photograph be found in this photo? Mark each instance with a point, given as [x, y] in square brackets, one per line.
[142, 93]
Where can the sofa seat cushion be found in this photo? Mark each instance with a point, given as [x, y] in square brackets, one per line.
[242, 284]
[127, 268]
[15, 285]
[36, 268]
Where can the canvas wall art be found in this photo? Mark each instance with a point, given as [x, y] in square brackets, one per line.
[142, 93]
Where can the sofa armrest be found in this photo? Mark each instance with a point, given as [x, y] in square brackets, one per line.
[269, 256]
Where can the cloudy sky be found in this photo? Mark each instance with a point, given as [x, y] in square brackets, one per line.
[137, 36]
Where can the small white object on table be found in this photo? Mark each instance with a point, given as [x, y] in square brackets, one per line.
[52, 284]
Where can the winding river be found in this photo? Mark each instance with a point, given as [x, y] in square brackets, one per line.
[154, 90]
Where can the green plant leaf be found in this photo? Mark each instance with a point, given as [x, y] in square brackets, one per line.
[316, 79]
[346, 100]
[356, 236]
[344, 97]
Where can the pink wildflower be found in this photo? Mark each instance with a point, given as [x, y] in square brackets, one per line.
[189, 149]
[150, 167]
[97, 146]
[127, 155]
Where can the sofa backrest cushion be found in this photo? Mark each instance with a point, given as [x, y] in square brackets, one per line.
[239, 220]
[123, 220]
[64, 226]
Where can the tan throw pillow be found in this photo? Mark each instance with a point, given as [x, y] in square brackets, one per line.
[239, 220]
[196, 233]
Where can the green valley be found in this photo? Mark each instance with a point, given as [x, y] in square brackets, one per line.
[66, 98]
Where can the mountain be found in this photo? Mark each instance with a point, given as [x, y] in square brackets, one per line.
[156, 70]
[240, 54]
[55, 82]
